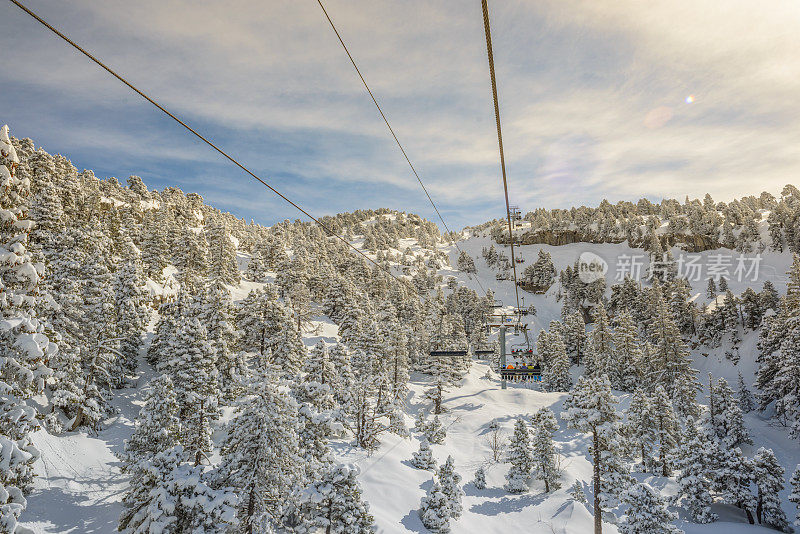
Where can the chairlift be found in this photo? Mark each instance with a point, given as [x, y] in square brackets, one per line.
[448, 353]
[532, 373]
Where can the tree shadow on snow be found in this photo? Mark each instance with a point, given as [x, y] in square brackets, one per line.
[68, 512]
[488, 493]
[467, 407]
[413, 523]
[507, 505]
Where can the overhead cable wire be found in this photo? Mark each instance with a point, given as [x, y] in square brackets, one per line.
[500, 142]
[391, 131]
[199, 135]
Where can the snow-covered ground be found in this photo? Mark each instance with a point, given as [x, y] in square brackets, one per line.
[79, 484]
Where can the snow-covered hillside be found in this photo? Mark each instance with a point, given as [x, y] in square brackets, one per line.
[79, 484]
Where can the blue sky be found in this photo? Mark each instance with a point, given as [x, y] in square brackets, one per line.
[593, 97]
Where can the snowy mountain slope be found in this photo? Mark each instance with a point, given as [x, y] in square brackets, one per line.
[79, 484]
[394, 488]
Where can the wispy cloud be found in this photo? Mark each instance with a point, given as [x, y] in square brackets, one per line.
[593, 97]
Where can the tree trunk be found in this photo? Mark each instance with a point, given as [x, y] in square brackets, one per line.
[749, 516]
[760, 506]
[251, 509]
[598, 514]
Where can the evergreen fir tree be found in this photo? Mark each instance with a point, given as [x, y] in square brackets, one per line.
[576, 492]
[168, 495]
[434, 431]
[726, 415]
[24, 345]
[794, 496]
[694, 458]
[334, 503]
[520, 456]
[545, 455]
[768, 477]
[132, 311]
[480, 479]
[555, 375]
[640, 426]
[591, 408]
[666, 429]
[647, 513]
[627, 354]
[450, 482]
[261, 454]
[434, 510]
[218, 315]
[746, 401]
[157, 427]
[601, 346]
[423, 458]
[711, 291]
[732, 479]
[222, 254]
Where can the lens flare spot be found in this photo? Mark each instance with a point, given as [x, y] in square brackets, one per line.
[690, 99]
[658, 117]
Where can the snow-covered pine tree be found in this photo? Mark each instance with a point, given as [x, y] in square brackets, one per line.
[600, 357]
[465, 263]
[480, 479]
[24, 346]
[794, 495]
[434, 509]
[639, 427]
[751, 309]
[131, 306]
[544, 452]
[168, 495]
[672, 365]
[520, 456]
[192, 259]
[711, 290]
[574, 334]
[435, 432]
[15, 463]
[218, 315]
[591, 408]
[157, 427]
[694, 458]
[576, 492]
[746, 401]
[222, 254]
[732, 479]
[723, 284]
[261, 454]
[768, 477]
[334, 503]
[647, 513]
[627, 354]
[423, 458]
[451, 486]
[726, 415]
[190, 365]
[667, 430]
[555, 375]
